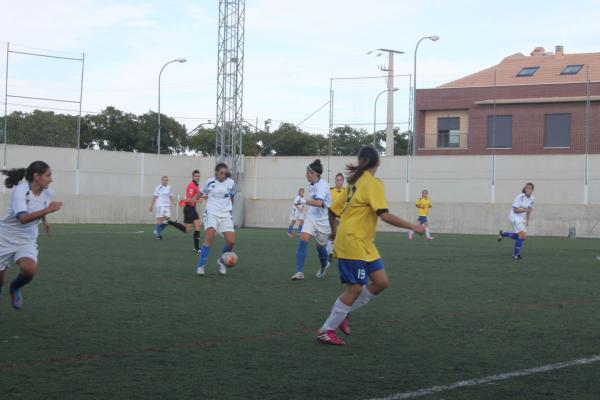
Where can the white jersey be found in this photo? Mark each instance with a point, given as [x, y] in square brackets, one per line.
[299, 208]
[163, 195]
[319, 191]
[521, 201]
[23, 201]
[220, 195]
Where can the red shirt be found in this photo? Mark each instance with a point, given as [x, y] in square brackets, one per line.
[191, 192]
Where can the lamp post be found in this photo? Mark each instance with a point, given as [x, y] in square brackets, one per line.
[375, 113]
[433, 38]
[179, 60]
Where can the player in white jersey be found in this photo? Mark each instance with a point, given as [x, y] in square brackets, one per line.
[161, 205]
[30, 202]
[316, 220]
[218, 215]
[519, 215]
[297, 213]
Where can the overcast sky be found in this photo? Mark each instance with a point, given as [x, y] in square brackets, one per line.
[292, 49]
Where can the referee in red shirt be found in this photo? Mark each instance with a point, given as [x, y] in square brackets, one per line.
[190, 214]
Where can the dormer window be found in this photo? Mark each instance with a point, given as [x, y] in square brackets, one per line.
[571, 69]
[527, 71]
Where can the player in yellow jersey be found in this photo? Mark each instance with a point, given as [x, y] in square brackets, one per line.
[354, 246]
[336, 192]
[423, 205]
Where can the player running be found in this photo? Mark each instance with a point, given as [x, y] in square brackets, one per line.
[30, 202]
[297, 213]
[316, 222]
[336, 192]
[354, 246]
[519, 215]
[218, 215]
[161, 204]
[191, 219]
[423, 205]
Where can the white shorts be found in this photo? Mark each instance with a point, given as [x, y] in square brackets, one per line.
[162, 211]
[296, 215]
[320, 231]
[518, 225]
[10, 254]
[218, 223]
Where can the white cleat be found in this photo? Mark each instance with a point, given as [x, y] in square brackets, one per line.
[321, 272]
[200, 271]
[222, 267]
[298, 276]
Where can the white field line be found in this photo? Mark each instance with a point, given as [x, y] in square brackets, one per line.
[489, 379]
[92, 233]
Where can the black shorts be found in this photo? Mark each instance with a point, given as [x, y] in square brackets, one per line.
[190, 214]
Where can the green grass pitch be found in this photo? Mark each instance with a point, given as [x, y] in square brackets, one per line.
[114, 314]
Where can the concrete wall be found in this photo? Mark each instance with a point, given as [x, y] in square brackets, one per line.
[117, 187]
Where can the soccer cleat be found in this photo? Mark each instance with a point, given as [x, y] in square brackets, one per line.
[159, 237]
[289, 235]
[430, 238]
[329, 337]
[155, 232]
[410, 235]
[517, 257]
[222, 267]
[298, 276]
[321, 272]
[500, 237]
[197, 251]
[345, 326]
[15, 298]
[200, 271]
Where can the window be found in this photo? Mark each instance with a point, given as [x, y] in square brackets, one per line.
[500, 133]
[571, 69]
[557, 130]
[527, 71]
[448, 132]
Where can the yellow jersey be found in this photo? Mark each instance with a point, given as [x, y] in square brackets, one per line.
[358, 212]
[425, 205]
[336, 193]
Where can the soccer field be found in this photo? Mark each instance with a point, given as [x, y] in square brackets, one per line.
[115, 314]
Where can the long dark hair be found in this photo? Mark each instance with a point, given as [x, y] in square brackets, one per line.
[16, 175]
[368, 158]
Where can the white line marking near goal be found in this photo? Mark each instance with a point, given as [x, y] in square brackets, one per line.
[95, 233]
[489, 379]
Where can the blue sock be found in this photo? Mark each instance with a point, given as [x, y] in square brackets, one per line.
[290, 228]
[226, 248]
[511, 235]
[299, 229]
[323, 256]
[20, 281]
[203, 256]
[158, 229]
[518, 245]
[301, 255]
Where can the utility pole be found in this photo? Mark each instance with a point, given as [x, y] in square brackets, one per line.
[389, 129]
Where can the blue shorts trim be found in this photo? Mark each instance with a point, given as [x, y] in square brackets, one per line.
[356, 272]
[422, 220]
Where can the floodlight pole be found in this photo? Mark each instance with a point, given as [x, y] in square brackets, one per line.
[6, 107]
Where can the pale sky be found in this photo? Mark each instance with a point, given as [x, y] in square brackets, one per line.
[292, 50]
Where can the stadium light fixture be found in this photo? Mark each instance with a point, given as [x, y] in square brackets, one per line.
[433, 38]
[179, 60]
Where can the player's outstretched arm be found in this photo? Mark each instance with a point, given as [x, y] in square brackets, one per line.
[28, 217]
[400, 223]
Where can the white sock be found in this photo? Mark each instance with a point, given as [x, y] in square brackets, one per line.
[338, 314]
[427, 232]
[330, 247]
[363, 299]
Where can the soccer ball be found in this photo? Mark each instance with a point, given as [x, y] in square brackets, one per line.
[229, 259]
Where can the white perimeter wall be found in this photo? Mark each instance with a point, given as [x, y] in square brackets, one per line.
[117, 187]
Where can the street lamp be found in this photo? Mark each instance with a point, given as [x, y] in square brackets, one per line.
[433, 38]
[179, 60]
[375, 111]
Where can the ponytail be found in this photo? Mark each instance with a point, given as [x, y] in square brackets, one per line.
[16, 175]
[367, 159]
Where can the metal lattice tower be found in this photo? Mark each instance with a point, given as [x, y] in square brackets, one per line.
[230, 79]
